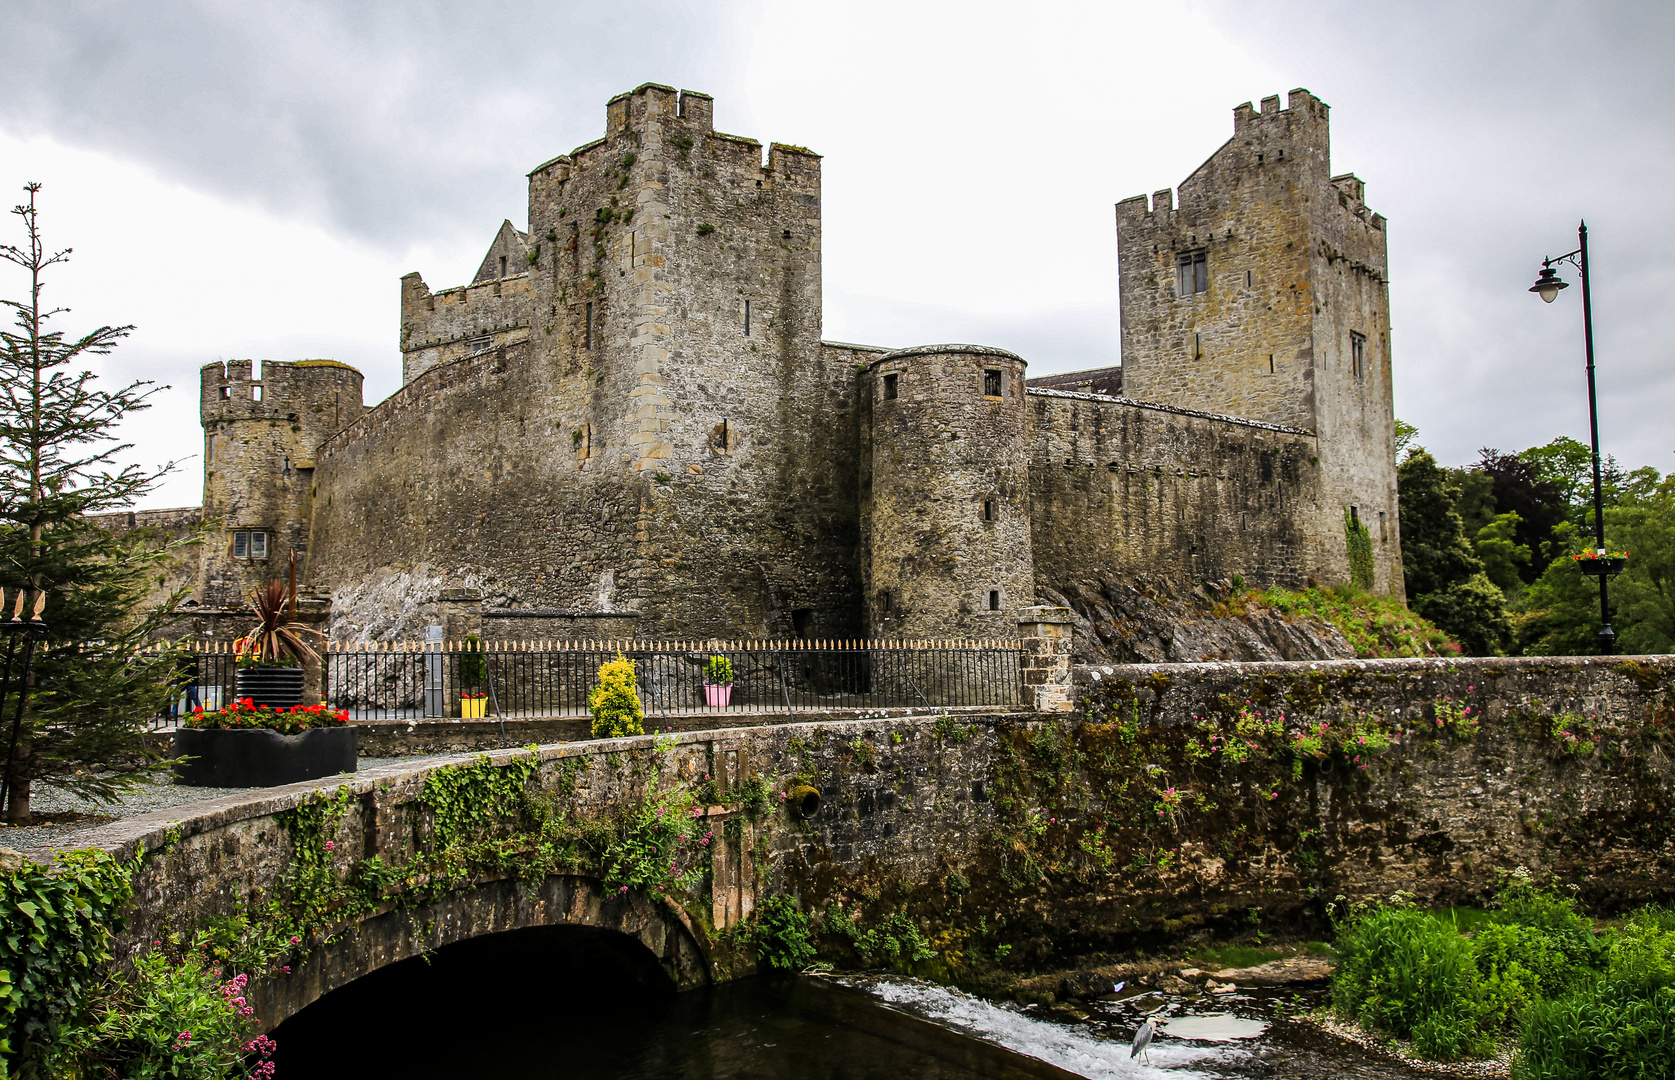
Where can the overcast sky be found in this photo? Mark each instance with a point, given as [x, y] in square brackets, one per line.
[251, 180]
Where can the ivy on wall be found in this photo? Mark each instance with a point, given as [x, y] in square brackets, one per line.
[1359, 543]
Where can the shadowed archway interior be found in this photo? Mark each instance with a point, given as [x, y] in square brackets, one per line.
[421, 1014]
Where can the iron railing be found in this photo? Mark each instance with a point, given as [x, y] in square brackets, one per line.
[444, 679]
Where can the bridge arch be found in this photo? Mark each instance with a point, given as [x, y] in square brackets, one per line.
[651, 945]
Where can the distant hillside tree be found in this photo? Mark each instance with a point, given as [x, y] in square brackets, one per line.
[91, 696]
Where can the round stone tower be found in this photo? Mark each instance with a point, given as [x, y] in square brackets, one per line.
[945, 501]
[260, 432]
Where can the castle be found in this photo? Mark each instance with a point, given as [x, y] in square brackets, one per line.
[628, 423]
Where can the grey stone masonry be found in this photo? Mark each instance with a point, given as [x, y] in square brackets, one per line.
[1265, 294]
[1044, 657]
[945, 500]
[627, 421]
[260, 438]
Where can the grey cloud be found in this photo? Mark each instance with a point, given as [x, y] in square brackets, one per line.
[384, 120]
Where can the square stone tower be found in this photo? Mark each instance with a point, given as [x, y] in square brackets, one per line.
[1263, 292]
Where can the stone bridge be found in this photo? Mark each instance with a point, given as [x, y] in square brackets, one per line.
[964, 821]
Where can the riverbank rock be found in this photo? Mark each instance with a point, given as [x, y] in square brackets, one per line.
[1293, 970]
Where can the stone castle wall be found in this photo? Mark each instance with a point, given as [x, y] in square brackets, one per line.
[946, 511]
[1120, 489]
[260, 437]
[447, 325]
[629, 422]
[674, 438]
[1294, 264]
[1051, 826]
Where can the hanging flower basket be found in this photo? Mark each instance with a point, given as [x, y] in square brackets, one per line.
[1601, 563]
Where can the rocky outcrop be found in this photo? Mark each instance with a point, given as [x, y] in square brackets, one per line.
[1120, 622]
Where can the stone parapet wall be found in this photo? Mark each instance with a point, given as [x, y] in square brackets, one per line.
[1062, 837]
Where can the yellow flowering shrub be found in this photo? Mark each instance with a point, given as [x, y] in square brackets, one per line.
[615, 702]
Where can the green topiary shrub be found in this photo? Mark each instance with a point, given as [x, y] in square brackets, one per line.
[718, 671]
[615, 702]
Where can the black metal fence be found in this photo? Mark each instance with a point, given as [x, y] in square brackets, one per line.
[391, 681]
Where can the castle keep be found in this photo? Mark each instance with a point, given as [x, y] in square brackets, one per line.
[628, 423]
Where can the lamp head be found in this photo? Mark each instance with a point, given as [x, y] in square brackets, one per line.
[1548, 283]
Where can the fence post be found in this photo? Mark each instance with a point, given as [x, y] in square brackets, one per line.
[1044, 657]
[435, 701]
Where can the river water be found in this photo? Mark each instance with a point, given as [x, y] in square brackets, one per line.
[798, 1029]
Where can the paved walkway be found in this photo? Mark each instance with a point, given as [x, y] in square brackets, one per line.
[143, 798]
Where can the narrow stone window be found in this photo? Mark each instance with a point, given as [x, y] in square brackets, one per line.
[884, 601]
[1247, 279]
[785, 234]
[1357, 354]
[258, 545]
[587, 327]
[1270, 363]
[255, 393]
[226, 393]
[988, 509]
[1383, 528]
[991, 383]
[994, 599]
[502, 266]
[890, 387]
[241, 545]
[1192, 273]
[1355, 516]
[747, 318]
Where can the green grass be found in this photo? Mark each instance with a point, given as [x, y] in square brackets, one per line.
[1236, 956]
[1464, 919]
[1375, 626]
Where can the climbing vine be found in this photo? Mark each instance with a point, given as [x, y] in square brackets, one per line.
[1360, 546]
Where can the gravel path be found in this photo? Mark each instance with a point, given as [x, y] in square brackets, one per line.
[76, 814]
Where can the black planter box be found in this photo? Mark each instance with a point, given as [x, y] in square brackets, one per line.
[261, 757]
[275, 687]
[1602, 567]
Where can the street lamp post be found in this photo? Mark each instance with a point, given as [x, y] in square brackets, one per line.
[1547, 286]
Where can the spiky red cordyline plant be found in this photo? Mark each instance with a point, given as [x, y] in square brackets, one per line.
[277, 633]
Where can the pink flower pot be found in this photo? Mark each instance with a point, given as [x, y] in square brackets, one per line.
[717, 697]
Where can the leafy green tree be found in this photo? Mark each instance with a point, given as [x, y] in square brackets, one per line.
[58, 463]
[1446, 581]
[1559, 612]
[1477, 499]
[1406, 433]
[1434, 547]
[1644, 526]
[1522, 488]
[1568, 466]
[1503, 558]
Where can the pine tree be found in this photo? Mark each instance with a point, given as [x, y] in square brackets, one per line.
[91, 696]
